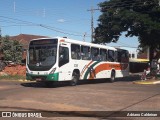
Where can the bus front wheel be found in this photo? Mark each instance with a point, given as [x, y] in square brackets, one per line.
[75, 78]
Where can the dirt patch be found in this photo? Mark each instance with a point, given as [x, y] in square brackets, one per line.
[15, 70]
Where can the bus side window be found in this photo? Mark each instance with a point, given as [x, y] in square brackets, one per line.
[95, 54]
[75, 52]
[103, 54]
[111, 55]
[133, 55]
[85, 53]
[123, 56]
[126, 56]
[63, 56]
[119, 56]
[116, 56]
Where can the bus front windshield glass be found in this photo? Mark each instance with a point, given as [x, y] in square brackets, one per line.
[42, 54]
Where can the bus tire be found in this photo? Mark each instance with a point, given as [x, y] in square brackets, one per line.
[112, 79]
[75, 79]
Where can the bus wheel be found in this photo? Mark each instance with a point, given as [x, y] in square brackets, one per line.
[112, 79]
[75, 78]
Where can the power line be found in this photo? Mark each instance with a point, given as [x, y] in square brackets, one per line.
[43, 26]
[54, 29]
[43, 12]
[125, 46]
[17, 10]
[16, 25]
[14, 6]
[23, 21]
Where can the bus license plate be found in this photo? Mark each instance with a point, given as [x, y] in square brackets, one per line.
[38, 79]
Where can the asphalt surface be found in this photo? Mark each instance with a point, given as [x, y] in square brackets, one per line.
[98, 95]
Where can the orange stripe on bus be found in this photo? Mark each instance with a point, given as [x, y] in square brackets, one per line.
[107, 66]
[86, 67]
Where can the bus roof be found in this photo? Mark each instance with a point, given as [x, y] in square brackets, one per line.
[79, 42]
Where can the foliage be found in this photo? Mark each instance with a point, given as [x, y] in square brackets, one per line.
[137, 18]
[11, 49]
[12, 77]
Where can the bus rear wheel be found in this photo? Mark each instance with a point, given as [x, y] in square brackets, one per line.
[75, 79]
[112, 79]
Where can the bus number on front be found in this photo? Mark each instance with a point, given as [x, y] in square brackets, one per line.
[75, 65]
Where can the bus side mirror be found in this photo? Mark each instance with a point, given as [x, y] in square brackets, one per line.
[27, 56]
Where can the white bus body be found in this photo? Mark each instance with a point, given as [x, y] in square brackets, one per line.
[63, 59]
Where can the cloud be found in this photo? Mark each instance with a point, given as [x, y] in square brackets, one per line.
[61, 20]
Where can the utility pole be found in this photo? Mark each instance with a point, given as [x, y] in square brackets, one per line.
[0, 37]
[0, 47]
[84, 36]
[14, 7]
[92, 22]
[0, 34]
[44, 12]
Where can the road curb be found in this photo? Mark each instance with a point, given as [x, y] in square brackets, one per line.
[20, 80]
[147, 82]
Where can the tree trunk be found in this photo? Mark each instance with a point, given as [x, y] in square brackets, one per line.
[151, 54]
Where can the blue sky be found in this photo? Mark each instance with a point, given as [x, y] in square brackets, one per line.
[53, 18]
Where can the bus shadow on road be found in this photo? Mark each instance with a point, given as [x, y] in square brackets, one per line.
[129, 78]
[42, 85]
[80, 82]
[63, 84]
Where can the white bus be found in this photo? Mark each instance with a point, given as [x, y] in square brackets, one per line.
[63, 59]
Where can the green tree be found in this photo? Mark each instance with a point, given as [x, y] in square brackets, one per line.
[11, 49]
[6, 47]
[139, 18]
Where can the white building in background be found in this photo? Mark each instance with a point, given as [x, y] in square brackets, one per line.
[133, 54]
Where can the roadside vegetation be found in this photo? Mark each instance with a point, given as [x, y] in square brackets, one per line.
[135, 18]
[11, 67]
[11, 49]
[12, 77]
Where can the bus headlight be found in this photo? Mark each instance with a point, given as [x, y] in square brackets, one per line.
[53, 70]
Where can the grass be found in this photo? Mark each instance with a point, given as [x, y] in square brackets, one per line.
[12, 77]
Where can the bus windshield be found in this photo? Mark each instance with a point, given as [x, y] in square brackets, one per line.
[42, 54]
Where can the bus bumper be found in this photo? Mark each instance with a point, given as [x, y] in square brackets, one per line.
[50, 77]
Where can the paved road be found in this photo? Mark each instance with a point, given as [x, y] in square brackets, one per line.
[99, 95]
